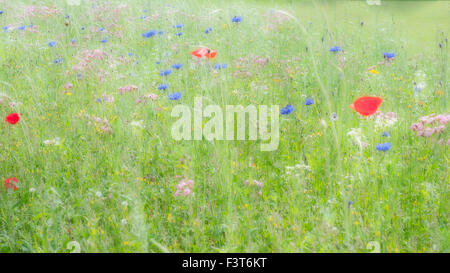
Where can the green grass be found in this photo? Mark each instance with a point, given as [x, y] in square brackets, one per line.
[400, 197]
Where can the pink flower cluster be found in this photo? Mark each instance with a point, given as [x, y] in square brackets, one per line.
[127, 88]
[101, 124]
[255, 183]
[87, 56]
[146, 97]
[245, 64]
[184, 188]
[41, 11]
[431, 125]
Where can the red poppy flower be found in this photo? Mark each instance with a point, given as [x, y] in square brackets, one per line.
[12, 118]
[366, 106]
[204, 52]
[10, 183]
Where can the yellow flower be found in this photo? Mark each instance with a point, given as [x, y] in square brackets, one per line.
[68, 94]
[373, 71]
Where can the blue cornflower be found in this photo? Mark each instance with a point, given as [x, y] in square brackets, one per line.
[101, 29]
[73, 41]
[236, 19]
[21, 28]
[145, 10]
[165, 72]
[149, 34]
[160, 32]
[104, 40]
[66, 17]
[157, 62]
[143, 17]
[287, 110]
[163, 87]
[130, 54]
[179, 26]
[309, 101]
[389, 55]
[179, 33]
[58, 61]
[384, 147]
[1, 12]
[83, 28]
[5, 28]
[175, 96]
[51, 44]
[220, 66]
[208, 30]
[350, 203]
[386, 134]
[335, 49]
[177, 66]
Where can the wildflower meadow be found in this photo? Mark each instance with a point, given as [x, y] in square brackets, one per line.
[224, 126]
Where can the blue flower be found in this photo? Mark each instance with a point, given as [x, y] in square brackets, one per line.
[335, 49]
[309, 101]
[101, 29]
[21, 28]
[165, 72]
[179, 33]
[143, 17]
[350, 203]
[163, 87]
[58, 60]
[160, 32]
[287, 110]
[179, 26]
[389, 55]
[175, 96]
[1, 12]
[149, 34]
[157, 62]
[51, 44]
[384, 147]
[177, 66]
[5, 28]
[208, 30]
[104, 40]
[236, 19]
[73, 41]
[386, 134]
[83, 28]
[220, 66]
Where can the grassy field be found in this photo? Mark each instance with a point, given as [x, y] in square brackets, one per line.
[97, 168]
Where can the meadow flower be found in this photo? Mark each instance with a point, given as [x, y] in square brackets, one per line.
[52, 44]
[236, 19]
[384, 147]
[373, 71]
[11, 183]
[385, 119]
[175, 96]
[138, 123]
[309, 101]
[177, 66]
[55, 141]
[58, 60]
[287, 109]
[220, 66]
[163, 86]
[357, 137]
[68, 85]
[179, 26]
[335, 49]
[208, 30]
[431, 125]
[124, 221]
[127, 88]
[104, 40]
[98, 194]
[334, 116]
[204, 52]
[184, 187]
[21, 28]
[1, 12]
[12, 118]
[151, 96]
[389, 55]
[165, 72]
[366, 106]
[386, 134]
[179, 33]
